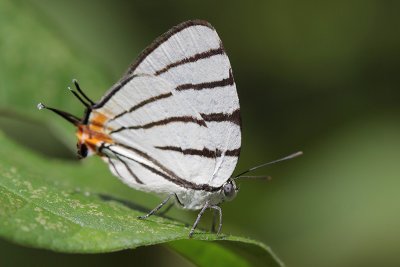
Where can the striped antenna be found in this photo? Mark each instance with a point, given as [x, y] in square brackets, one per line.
[69, 117]
[291, 156]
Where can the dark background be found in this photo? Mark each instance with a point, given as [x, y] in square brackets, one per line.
[322, 77]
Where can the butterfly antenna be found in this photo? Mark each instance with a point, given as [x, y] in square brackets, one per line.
[79, 97]
[75, 82]
[291, 156]
[264, 177]
[69, 117]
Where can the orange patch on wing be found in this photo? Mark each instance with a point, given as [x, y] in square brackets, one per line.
[97, 138]
[93, 134]
[97, 121]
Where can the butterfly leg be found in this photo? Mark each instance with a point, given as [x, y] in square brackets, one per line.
[156, 208]
[198, 219]
[219, 210]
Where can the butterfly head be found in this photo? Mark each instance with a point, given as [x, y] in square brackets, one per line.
[90, 129]
[82, 150]
[229, 189]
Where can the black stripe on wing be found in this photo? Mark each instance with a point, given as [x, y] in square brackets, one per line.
[207, 85]
[165, 173]
[194, 58]
[130, 171]
[113, 90]
[134, 176]
[184, 119]
[205, 152]
[141, 104]
[233, 152]
[233, 117]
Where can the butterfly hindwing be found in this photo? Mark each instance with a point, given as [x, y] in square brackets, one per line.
[179, 105]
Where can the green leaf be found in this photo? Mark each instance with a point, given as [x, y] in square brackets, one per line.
[42, 205]
[61, 205]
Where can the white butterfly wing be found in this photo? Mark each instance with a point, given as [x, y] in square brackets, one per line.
[183, 105]
[192, 57]
[145, 120]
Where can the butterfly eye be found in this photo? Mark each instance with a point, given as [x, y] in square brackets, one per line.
[229, 191]
[82, 151]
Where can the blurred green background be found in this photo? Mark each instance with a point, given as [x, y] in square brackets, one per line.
[317, 76]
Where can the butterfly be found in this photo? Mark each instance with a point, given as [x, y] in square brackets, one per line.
[171, 125]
